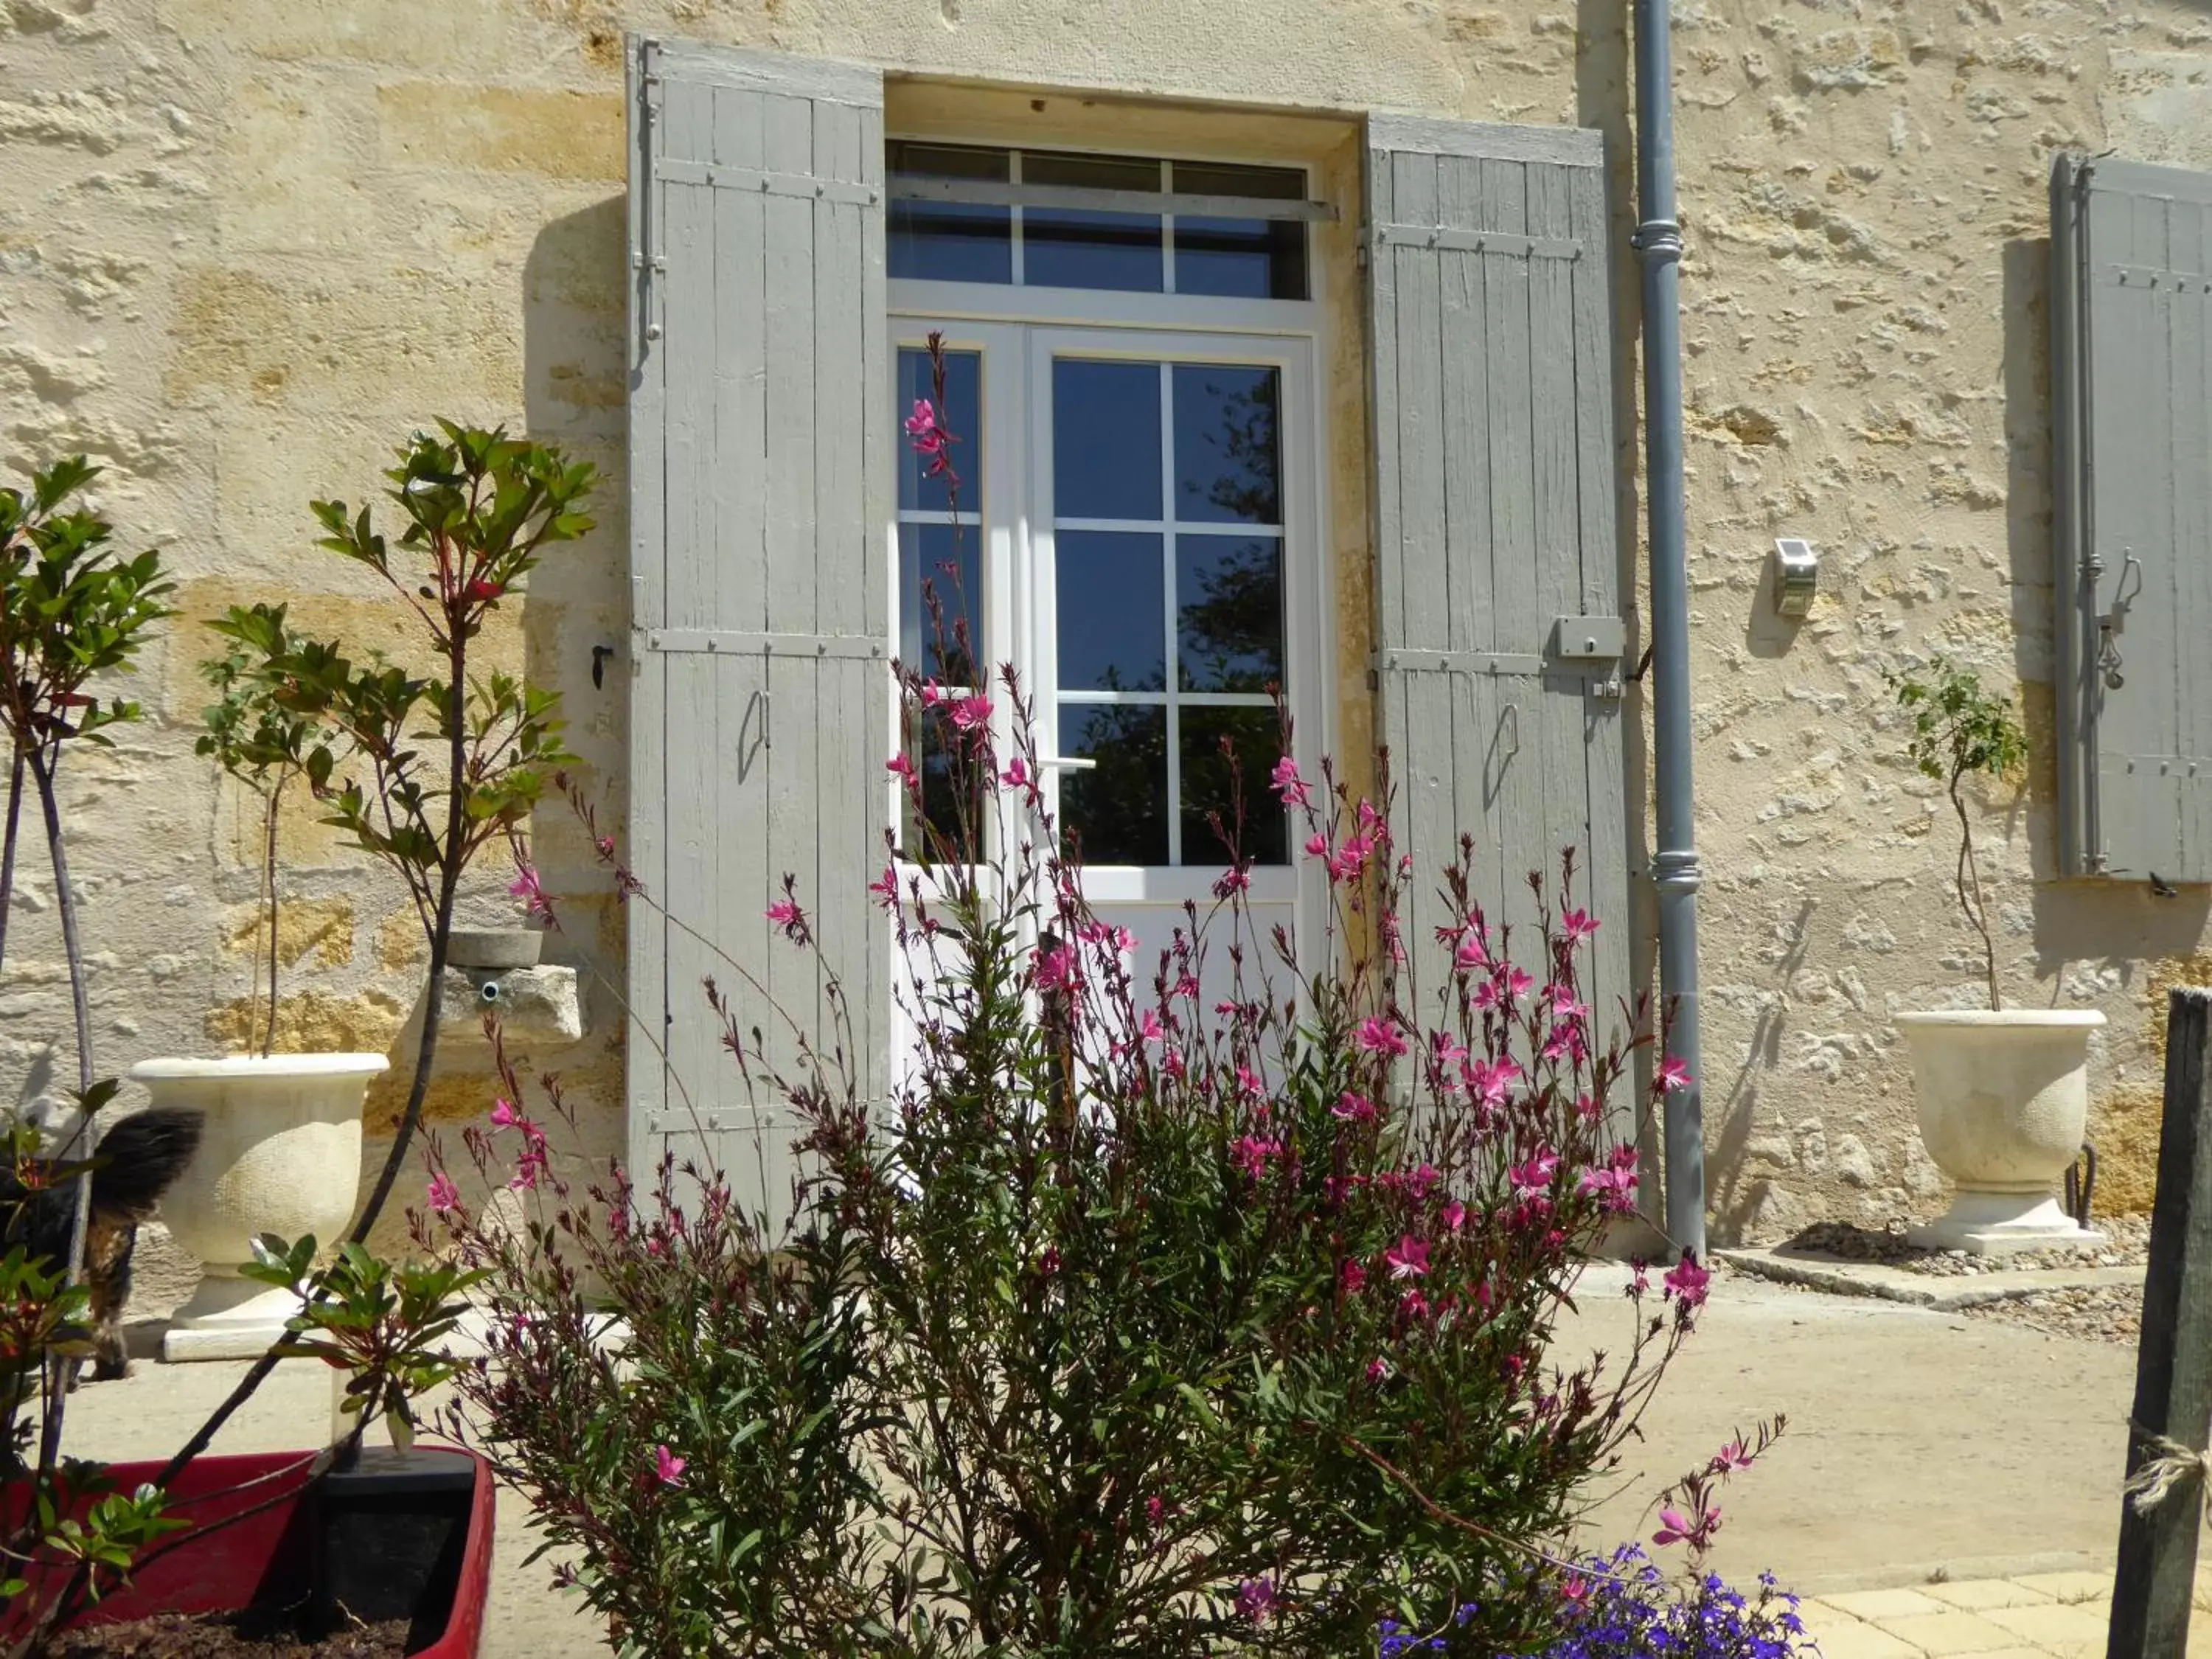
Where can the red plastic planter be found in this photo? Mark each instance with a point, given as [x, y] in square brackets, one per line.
[263, 1556]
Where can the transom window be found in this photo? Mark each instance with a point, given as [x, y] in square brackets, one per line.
[1052, 219]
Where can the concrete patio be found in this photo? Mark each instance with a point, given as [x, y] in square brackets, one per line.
[1950, 1486]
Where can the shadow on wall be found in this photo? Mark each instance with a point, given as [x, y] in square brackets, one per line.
[1734, 1194]
[576, 622]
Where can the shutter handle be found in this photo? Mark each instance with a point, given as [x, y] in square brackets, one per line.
[2114, 623]
[1068, 763]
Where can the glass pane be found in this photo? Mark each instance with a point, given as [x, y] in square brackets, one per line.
[1246, 258]
[1064, 247]
[1113, 629]
[1234, 789]
[1106, 440]
[941, 600]
[949, 241]
[1226, 470]
[1118, 812]
[945, 774]
[1228, 605]
[961, 415]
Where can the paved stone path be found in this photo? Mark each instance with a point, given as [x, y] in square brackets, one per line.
[2063, 1615]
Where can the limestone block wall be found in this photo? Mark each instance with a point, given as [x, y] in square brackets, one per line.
[246, 245]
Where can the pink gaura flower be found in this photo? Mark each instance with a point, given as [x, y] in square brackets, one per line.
[444, 1197]
[1575, 1589]
[1533, 1178]
[1577, 924]
[529, 1166]
[1413, 1305]
[1673, 1073]
[1517, 985]
[1233, 881]
[1349, 860]
[1353, 1109]
[1687, 1281]
[902, 765]
[1057, 969]
[1318, 846]
[667, 1467]
[1675, 1528]
[1490, 1081]
[885, 888]
[1248, 1081]
[1353, 1277]
[1018, 775]
[786, 914]
[526, 888]
[1250, 1154]
[482, 591]
[1472, 951]
[1378, 1035]
[1149, 1028]
[1454, 1216]
[930, 439]
[1615, 1189]
[1288, 785]
[503, 1114]
[971, 713]
[1408, 1258]
[1378, 1369]
[1563, 1004]
[1731, 1458]
[1154, 1509]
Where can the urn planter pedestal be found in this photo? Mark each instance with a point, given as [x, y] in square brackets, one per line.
[2003, 1100]
[279, 1153]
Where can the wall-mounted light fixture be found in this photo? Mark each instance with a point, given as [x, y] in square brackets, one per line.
[1796, 576]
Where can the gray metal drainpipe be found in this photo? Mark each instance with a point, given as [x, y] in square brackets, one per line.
[1675, 862]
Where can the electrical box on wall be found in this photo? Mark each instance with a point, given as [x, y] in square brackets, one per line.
[1796, 576]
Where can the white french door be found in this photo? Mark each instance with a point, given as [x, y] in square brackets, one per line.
[1135, 530]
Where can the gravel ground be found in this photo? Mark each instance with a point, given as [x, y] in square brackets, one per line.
[2129, 1246]
[2103, 1313]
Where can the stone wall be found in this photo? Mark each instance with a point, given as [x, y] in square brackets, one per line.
[246, 245]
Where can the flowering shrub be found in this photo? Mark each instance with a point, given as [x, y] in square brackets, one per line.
[1196, 1305]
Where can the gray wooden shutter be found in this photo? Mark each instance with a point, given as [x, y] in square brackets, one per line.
[2132, 289]
[759, 479]
[1498, 630]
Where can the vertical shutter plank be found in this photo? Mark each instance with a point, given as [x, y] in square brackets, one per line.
[1472, 615]
[1597, 493]
[1557, 543]
[791, 343]
[741, 409]
[1382, 309]
[2190, 451]
[644, 1075]
[1419, 411]
[843, 409]
[1516, 554]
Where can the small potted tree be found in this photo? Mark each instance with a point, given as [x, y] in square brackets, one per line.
[2003, 1093]
[421, 772]
[71, 610]
[281, 1137]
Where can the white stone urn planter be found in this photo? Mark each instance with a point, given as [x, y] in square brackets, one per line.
[279, 1153]
[2004, 1099]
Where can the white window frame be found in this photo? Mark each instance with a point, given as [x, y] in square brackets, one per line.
[1292, 335]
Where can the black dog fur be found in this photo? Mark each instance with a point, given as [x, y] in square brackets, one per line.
[137, 1162]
